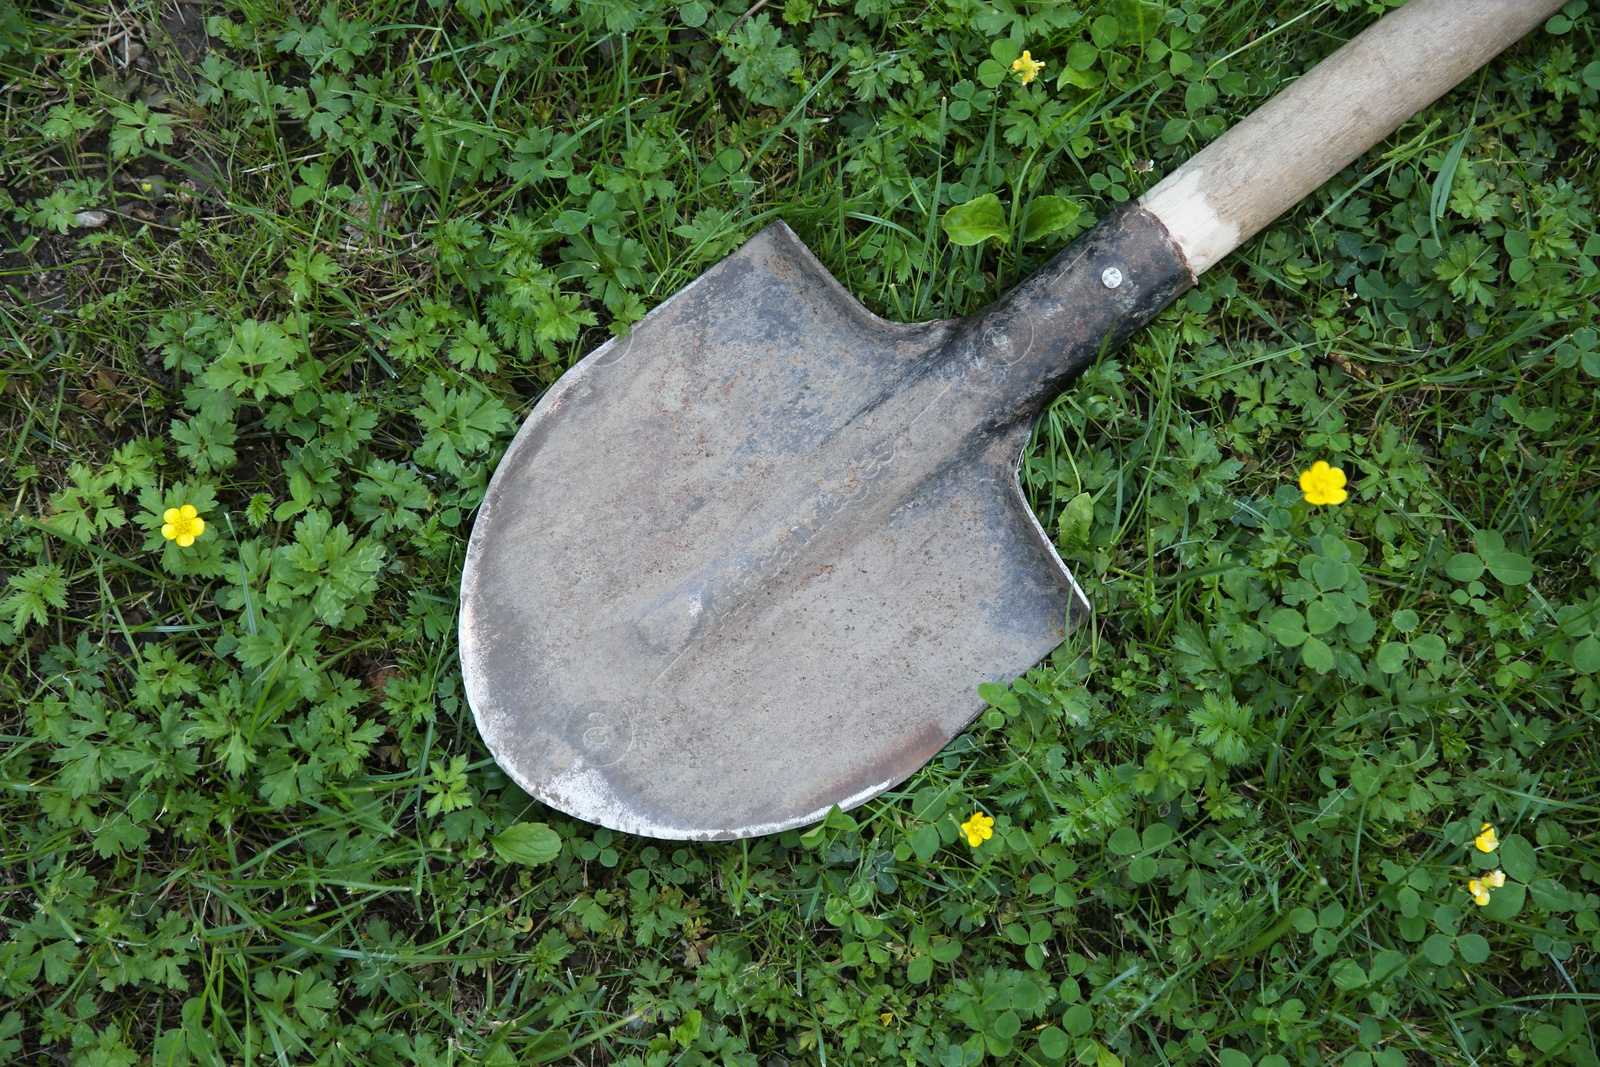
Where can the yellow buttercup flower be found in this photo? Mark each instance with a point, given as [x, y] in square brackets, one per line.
[980, 827]
[886, 1018]
[1479, 891]
[1323, 484]
[1026, 67]
[182, 525]
[1486, 841]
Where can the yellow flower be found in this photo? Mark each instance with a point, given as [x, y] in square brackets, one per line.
[1486, 839]
[1027, 68]
[1495, 878]
[1323, 484]
[182, 525]
[1479, 891]
[980, 827]
[886, 1018]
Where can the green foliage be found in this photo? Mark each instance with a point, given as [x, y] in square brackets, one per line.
[86, 507]
[327, 564]
[762, 64]
[257, 362]
[529, 843]
[31, 592]
[344, 249]
[976, 221]
[1048, 215]
[458, 423]
[137, 128]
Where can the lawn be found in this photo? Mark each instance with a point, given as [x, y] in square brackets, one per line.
[305, 266]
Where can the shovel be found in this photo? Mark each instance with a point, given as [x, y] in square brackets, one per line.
[753, 560]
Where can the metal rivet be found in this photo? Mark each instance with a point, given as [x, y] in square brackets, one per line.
[1111, 277]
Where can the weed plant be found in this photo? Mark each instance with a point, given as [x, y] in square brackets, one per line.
[304, 266]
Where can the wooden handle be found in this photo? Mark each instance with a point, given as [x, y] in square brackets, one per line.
[1346, 104]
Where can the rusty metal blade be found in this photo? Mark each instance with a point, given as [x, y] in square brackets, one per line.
[754, 559]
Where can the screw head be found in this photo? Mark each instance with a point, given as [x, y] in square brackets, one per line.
[1111, 277]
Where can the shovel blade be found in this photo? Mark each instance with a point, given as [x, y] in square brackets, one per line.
[748, 562]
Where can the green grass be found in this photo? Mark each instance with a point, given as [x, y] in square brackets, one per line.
[244, 815]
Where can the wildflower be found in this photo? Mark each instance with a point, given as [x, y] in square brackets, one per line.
[1027, 68]
[1479, 887]
[1486, 839]
[886, 1018]
[1323, 484]
[182, 525]
[979, 828]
